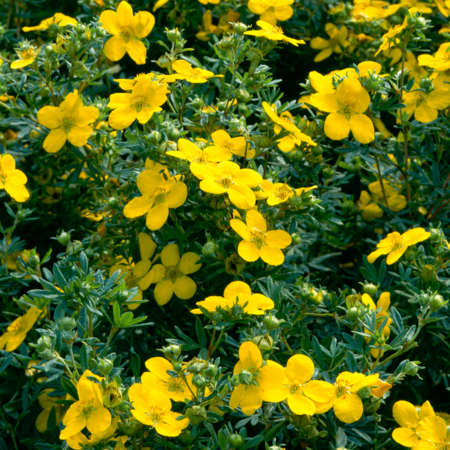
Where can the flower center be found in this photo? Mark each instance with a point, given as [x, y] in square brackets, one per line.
[226, 144]
[130, 280]
[159, 195]
[138, 103]
[176, 385]
[258, 237]
[276, 30]
[283, 192]
[67, 124]
[195, 73]
[27, 53]
[127, 33]
[342, 388]
[87, 407]
[155, 415]
[226, 180]
[397, 243]
[172, 272]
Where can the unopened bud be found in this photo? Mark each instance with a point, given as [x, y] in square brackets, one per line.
[172, 351]
[235, 440]
[271, 322]
[264, 343]
[370, 289]
[105, 366]
[196, 414]
[245, 377]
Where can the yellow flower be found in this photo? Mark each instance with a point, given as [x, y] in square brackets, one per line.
[96, 216]
[337, 41]
[425, 105]
[369, 203]
[127, 31]
[444, 7]
[373, 9]
[237, 293]
[272, 10]
[229, 178]
[78, 440]
[256, 379]
[347, 405]
[286, 121]
[208, 27]
[159, 4]
[144, 100]
[347, 105]
[280, 192]
[395, 244]
[258, 242]
[171, 276]
[69, 121]
[153, 408]
[213, 2]
[48, 403]
[87, 412]
[193, 75]
[238, 145]
[210, 156]
[158, 378]
[128, 84]
[273, 33]
[440, 61]
[159, 194]
[406, 415]
[17, 331]
[138, 275]
[13, 180]
[391, 38]
[383, 302]
[421, 7]
[301, 392]
[27, 54]
[433, 434]
[60, 19]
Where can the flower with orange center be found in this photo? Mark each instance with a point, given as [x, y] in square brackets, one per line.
[191, 74]
[395, 244]
[258, 242]
[127, 31]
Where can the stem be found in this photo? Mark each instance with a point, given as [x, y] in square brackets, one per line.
[73, 360]
[381, 181]
[91, 326]
[439, 210]
[218, 341]
[231, 86]
[10, 428]
[111, 335]
[183, 377]
[285, 342]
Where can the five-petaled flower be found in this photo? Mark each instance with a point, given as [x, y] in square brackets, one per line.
[302, 393]
[127, 31]
[27, 54]
[272, 10]
[69, 121]
[236, 293]
[154, 408]
[346, 105]
[277, 193]
[146, 98]
[159, 194]
[171, 276]
[229, 178]
[258, 242]
[13, 180]
[395, 244]
[273, 33]
[338, 41]
[194, 75]
[440, 62]
[237, 145]
[59, 19]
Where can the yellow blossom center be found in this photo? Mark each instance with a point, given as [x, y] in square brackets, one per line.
[258, 237]
[226, 180]
[87, 407]
[176, 385]
[283, 192]
[139, 102]
[127, 33]
[172, 272]
[130, 280]
[67, 124]
[159, 195]
[294, 386]
[27, 53]
[155, 415]
[195, 73]
[226, 144]
[342, 388]
[397, 242]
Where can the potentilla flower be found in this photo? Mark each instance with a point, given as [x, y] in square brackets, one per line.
[153, 408]
[213, 2]
[191, 74]
[127, 31]
[346, 403]
[27, 54]
[258, 242]
[159, 194]
[237, 146]
[286, 122]
[229, 178]
[137, 275]
[346, 106]
[407, 416]
[159, 4]
[127, 84]
[425, 105]
[173, 386]
[17, 331]
[87, 412]
[48, 403]
[272, 10]
[78, 440]
[13, 180]
[338, 41]
[60, 19]
[273, 33]
[392, 38]
[237, 293]
[395, 244]
[68, 121]
[145, 99]
[256, 379]
[209, 156]
[301, 392]
[277, 193]
[171, 276]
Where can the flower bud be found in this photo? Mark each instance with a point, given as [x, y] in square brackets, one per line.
[173, 133]
[68, 323]
[64, 238]
[264, 342]
[173, 35]
[164, 62]
[296, 239]
[271, 322]
[210, 249]
[199, 381]
[211, 370]
[44, 347]
[240, 28]
[171, 351]
[129, 427]
[197, 103]
[235, 380]
[411, 368]
[112, 203]
[243, 96]
[437, 303]
[327, 172]
[154, 137]
[235, 440]
[364, 392]
[105, 366]
[196, 414]
[225, 43]
[237, 310]
[428, 273]
[435, 234]
[353, 313]
[245, 377]
[370, 289]
[186, 438]
[254, 54]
